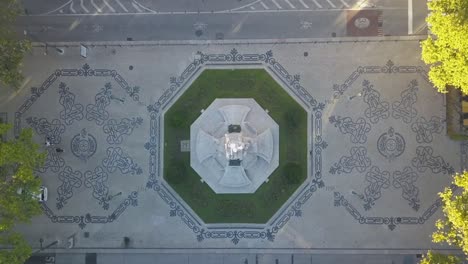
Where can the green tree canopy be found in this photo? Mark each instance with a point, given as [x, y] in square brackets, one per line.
[453, 227]
[20, 251]
[18, 159]
[12, 49]
[446, 49]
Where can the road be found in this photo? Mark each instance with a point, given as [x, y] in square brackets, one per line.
[118, 20]
[93, 7]
[179, 27]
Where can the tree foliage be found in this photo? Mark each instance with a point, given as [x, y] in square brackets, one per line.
[437, 258]
[12, 49]
[18, 159]
[453, 227]
[20, 250]
[446, 49]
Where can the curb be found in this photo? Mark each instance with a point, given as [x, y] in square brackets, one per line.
[244, 251]
[234, 41]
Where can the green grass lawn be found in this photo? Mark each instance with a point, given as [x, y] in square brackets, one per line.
[288, 114]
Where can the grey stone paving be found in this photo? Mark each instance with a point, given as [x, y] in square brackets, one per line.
[379, 153]
[238, 259]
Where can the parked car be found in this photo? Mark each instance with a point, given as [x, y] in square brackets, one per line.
[41, 196]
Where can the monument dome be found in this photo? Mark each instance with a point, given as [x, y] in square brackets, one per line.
[234, 145]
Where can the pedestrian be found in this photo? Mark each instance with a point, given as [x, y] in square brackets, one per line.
[58, 150]
[47, 142]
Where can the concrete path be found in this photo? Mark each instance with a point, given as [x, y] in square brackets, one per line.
[235, 259]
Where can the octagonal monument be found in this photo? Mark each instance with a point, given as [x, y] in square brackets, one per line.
[257, 207]
[234, 145]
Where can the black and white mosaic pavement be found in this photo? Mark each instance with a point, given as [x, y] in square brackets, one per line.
[292, 208]
[391, 144]
[90, 132]
[383, 145]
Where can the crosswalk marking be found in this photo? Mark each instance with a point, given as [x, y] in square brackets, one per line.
[71, 8]
[289, 3]
[330, 2]
[109, 6]
[276, 4]
[317, 4]
[96, 7]
[121, 5]
[143, 7]
[264, 6]
[117, 7]
[135, 6]
[304, 4]
[83, 6]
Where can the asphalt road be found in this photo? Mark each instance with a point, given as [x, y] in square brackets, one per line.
[117, 20]
[180, 27]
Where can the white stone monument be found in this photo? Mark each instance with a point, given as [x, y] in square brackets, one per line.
[234, 146]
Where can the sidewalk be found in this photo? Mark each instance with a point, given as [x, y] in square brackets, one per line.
[232, 259]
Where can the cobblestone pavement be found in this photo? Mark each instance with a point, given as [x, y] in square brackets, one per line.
[379, 149]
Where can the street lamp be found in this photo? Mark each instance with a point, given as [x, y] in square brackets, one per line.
[46, 247]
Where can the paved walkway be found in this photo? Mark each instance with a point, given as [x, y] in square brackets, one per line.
[379, 153]
[127, 258]
[239, 259]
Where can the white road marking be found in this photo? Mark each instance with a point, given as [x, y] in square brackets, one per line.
[330, 2]
[136, 7]
[276, 4]
[200, 26]
[251, 7]
[97, 28]
[109, 6]
[303, 3]
[344, 3]
[83, 6]
[71, 8]
[241, 7]
[239, 25]
[306, 24]
[74, 24]
[144, 7]
[121, 5]
[57, 9]
[96, 7]
[410, 17]
[317, 4]
[289, 3]
[264, 6]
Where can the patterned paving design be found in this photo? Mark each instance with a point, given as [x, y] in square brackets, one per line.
[92, 120]
[384, 129]
[291, 209]
[391, 144]
[83, 145]
[404, 131]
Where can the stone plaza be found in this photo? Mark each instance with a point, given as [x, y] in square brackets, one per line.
[378, 152]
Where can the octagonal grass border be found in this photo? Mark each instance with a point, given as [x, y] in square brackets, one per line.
[293, 207]
[291, 117]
